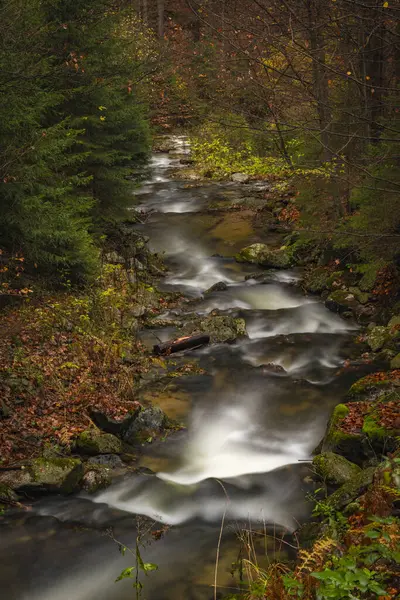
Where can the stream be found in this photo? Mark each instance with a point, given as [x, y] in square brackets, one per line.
[250, 428]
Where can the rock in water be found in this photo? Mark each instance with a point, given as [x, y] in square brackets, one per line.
[149, 422]
[96, 477]
[217, 287]
[112, 461]
[262, 255]
[240, 178]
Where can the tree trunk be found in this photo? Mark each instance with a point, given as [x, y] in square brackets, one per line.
[161, 11]
[320, 79]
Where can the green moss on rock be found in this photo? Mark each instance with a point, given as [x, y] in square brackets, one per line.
[262, 255]
[93, 441]
[220, 328]
[342, 301]
[335, 469]
[378, 337]
[395, 362]
[316, 281]
[352, 489]
[55, 475]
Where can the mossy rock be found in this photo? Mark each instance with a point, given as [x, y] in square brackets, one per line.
[262, 255]
[351, 490]
[340, 442]
[149, 422]
[316, 281]
[394, 322]
[395, 362]
[252, 254]
[7, 496]
[342, 301]
[369, 388]
[55, 475]
[335, 469]
[93, 441]
[220, 328]
[97, 477]
[378, 337]
[362, 297]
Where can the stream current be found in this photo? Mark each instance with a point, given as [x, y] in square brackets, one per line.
[250, 429]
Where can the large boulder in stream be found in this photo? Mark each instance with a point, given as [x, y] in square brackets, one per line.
[220, 328]
[96, 477]
[56, 475]
[148, 423]
[262, 255]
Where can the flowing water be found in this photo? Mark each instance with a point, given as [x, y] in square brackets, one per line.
[250, 429]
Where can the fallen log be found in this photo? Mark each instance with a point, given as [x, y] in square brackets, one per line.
[183, 343]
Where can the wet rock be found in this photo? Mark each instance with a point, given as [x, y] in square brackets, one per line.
[341, 301]
[253, 254]
[217, 287]
[262, 255]
[149, 422]
[272, 368]
[112, 461]
[188, 174]
[240, 178]
[57, 475]
[7, 496]
[220, 328]
[163, 144]
[96, 477]
[352, 489]
[93, 441]
[335, 469]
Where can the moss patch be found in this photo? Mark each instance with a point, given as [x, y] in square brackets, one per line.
[93, 441]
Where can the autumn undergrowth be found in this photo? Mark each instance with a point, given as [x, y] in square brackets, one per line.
[63, 353]
[355, 555]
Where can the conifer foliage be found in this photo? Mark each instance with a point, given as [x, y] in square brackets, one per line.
[72, 128]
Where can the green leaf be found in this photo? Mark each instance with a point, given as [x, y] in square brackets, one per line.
[373, 534]
[149, 567]
[126, 574]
